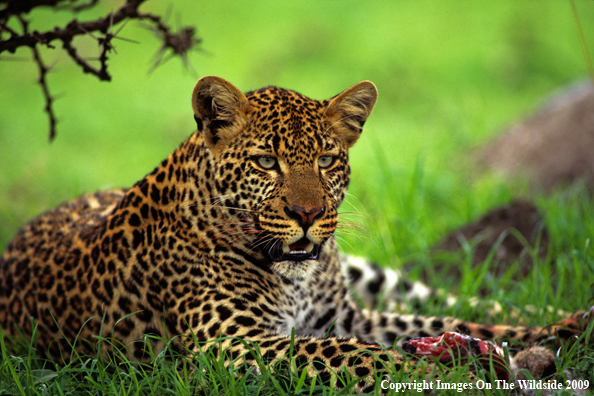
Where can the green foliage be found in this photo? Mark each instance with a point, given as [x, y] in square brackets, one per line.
[450, 76]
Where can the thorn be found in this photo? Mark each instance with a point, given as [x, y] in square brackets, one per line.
[127, 39]
[87, 32]
[52, 65]
[168, 12]
[121, 27]
[111, 23]
[14, 58]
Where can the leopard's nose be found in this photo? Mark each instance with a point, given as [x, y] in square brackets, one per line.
[305, 217]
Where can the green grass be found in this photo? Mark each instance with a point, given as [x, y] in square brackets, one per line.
[171, 373]
[450, 76]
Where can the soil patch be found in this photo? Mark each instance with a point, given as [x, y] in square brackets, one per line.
[554, 146]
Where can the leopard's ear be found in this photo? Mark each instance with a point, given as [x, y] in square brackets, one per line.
[347, 112]
[219, 109]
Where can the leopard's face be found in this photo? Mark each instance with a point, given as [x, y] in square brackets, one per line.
[282, 179]
[280, 168]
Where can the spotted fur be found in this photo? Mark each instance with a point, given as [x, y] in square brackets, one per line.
[232, 234]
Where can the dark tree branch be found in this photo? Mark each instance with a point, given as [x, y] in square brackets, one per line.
[43, 70]
[81, 7]
[49, 100]
[73, 29]
[179, 43]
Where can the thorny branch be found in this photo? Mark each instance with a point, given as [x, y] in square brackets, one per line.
[102, 30]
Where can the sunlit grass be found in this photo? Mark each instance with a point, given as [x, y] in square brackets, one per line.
[449, 74]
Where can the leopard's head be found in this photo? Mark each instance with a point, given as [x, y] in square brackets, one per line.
[280, 165]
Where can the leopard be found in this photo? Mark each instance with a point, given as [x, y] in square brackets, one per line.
[232, 236]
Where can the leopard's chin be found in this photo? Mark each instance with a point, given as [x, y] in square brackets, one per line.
[295, 270]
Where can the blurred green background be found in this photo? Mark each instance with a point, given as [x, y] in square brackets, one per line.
[450, 75]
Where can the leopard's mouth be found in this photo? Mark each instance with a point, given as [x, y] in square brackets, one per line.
[303, 249]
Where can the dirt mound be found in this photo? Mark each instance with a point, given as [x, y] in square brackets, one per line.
[516, 224]
[511, 232]
[555, 146]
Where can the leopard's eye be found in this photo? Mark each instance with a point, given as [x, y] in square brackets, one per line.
[267, 162]
[325, 161]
